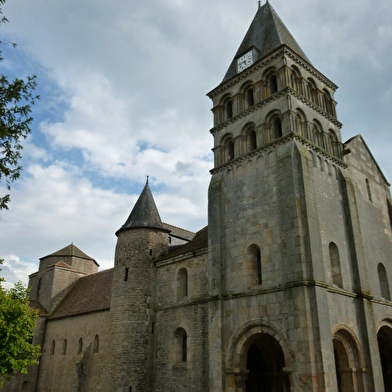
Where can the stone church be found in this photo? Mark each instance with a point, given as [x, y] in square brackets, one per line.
[286, 289]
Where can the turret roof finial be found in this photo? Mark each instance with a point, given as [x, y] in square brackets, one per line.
[147, 180]
[259, 4]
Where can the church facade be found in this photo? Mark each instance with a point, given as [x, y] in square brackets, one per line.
[286, 289]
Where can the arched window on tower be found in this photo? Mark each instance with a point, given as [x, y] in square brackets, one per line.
[383, 279]
[272, 84]
[229, 150]
[336, 271]
[327, 104]
[313, 91]
[182, 284]
[52, 348]
[255, 268]
[251, 143]
[229, 109]
[300, 122]
[277, 127]
[318, 134]
[180, 346]
[250, 97]
[295, 79]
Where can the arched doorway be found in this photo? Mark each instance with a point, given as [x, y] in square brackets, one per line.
[265, 363]
[349, 361]
[384, 338]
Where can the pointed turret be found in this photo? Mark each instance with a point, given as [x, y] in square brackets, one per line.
[144, 213]
[266, 33]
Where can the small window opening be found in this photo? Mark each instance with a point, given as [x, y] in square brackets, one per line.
[80, 345]
[384, 284]
[130, 389]
[64, 351]
[170, 240]
[335, 265]
[150, 253]
[259, 276]
[39, 287]
[126, 274]
[389, 212]
[152, 327]
[96, 344]
[52, 348]
[182, 284]
[369, 192]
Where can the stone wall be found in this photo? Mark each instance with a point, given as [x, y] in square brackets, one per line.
[76, 367]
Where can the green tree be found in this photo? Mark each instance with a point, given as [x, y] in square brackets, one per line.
[16, 98]
[17, 322]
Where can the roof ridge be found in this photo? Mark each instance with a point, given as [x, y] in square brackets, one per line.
[180, 228]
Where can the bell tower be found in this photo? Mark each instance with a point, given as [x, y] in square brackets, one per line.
[276, 139]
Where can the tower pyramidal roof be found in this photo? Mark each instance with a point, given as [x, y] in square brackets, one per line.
[266, 33]
[144, 213]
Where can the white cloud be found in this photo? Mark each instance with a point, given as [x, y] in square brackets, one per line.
[124, 97]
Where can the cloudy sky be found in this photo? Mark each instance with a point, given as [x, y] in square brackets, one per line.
[123, 95]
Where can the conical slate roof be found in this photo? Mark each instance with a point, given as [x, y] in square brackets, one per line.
[266, 33]
[144, 213]
[70, 250]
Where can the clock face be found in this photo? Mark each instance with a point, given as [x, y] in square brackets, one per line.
[245, 61]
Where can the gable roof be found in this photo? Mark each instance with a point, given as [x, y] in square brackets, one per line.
[266, 33]
[178, 232]
[361, 139]
[144, 213]
[90, 293]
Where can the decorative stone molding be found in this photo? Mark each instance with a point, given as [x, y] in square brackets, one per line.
[248, 329]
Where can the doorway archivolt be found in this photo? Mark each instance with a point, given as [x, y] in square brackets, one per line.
[258, 358]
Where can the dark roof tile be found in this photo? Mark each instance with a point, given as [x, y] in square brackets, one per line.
[90, 293]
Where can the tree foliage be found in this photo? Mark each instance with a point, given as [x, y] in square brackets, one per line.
[17, 322]
[16, 98]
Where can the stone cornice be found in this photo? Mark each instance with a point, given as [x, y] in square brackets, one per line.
[260, 291]
[271, 146]
[176, 259]
[277, 95]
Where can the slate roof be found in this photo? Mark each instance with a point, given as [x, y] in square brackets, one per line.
[144, 213]
[70, 250]
[90, 293]
[266, 33]
[35, 305]
[199, 241]
[178, 232]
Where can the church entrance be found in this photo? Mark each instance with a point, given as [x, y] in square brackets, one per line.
[265, 363]
[384, 338]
